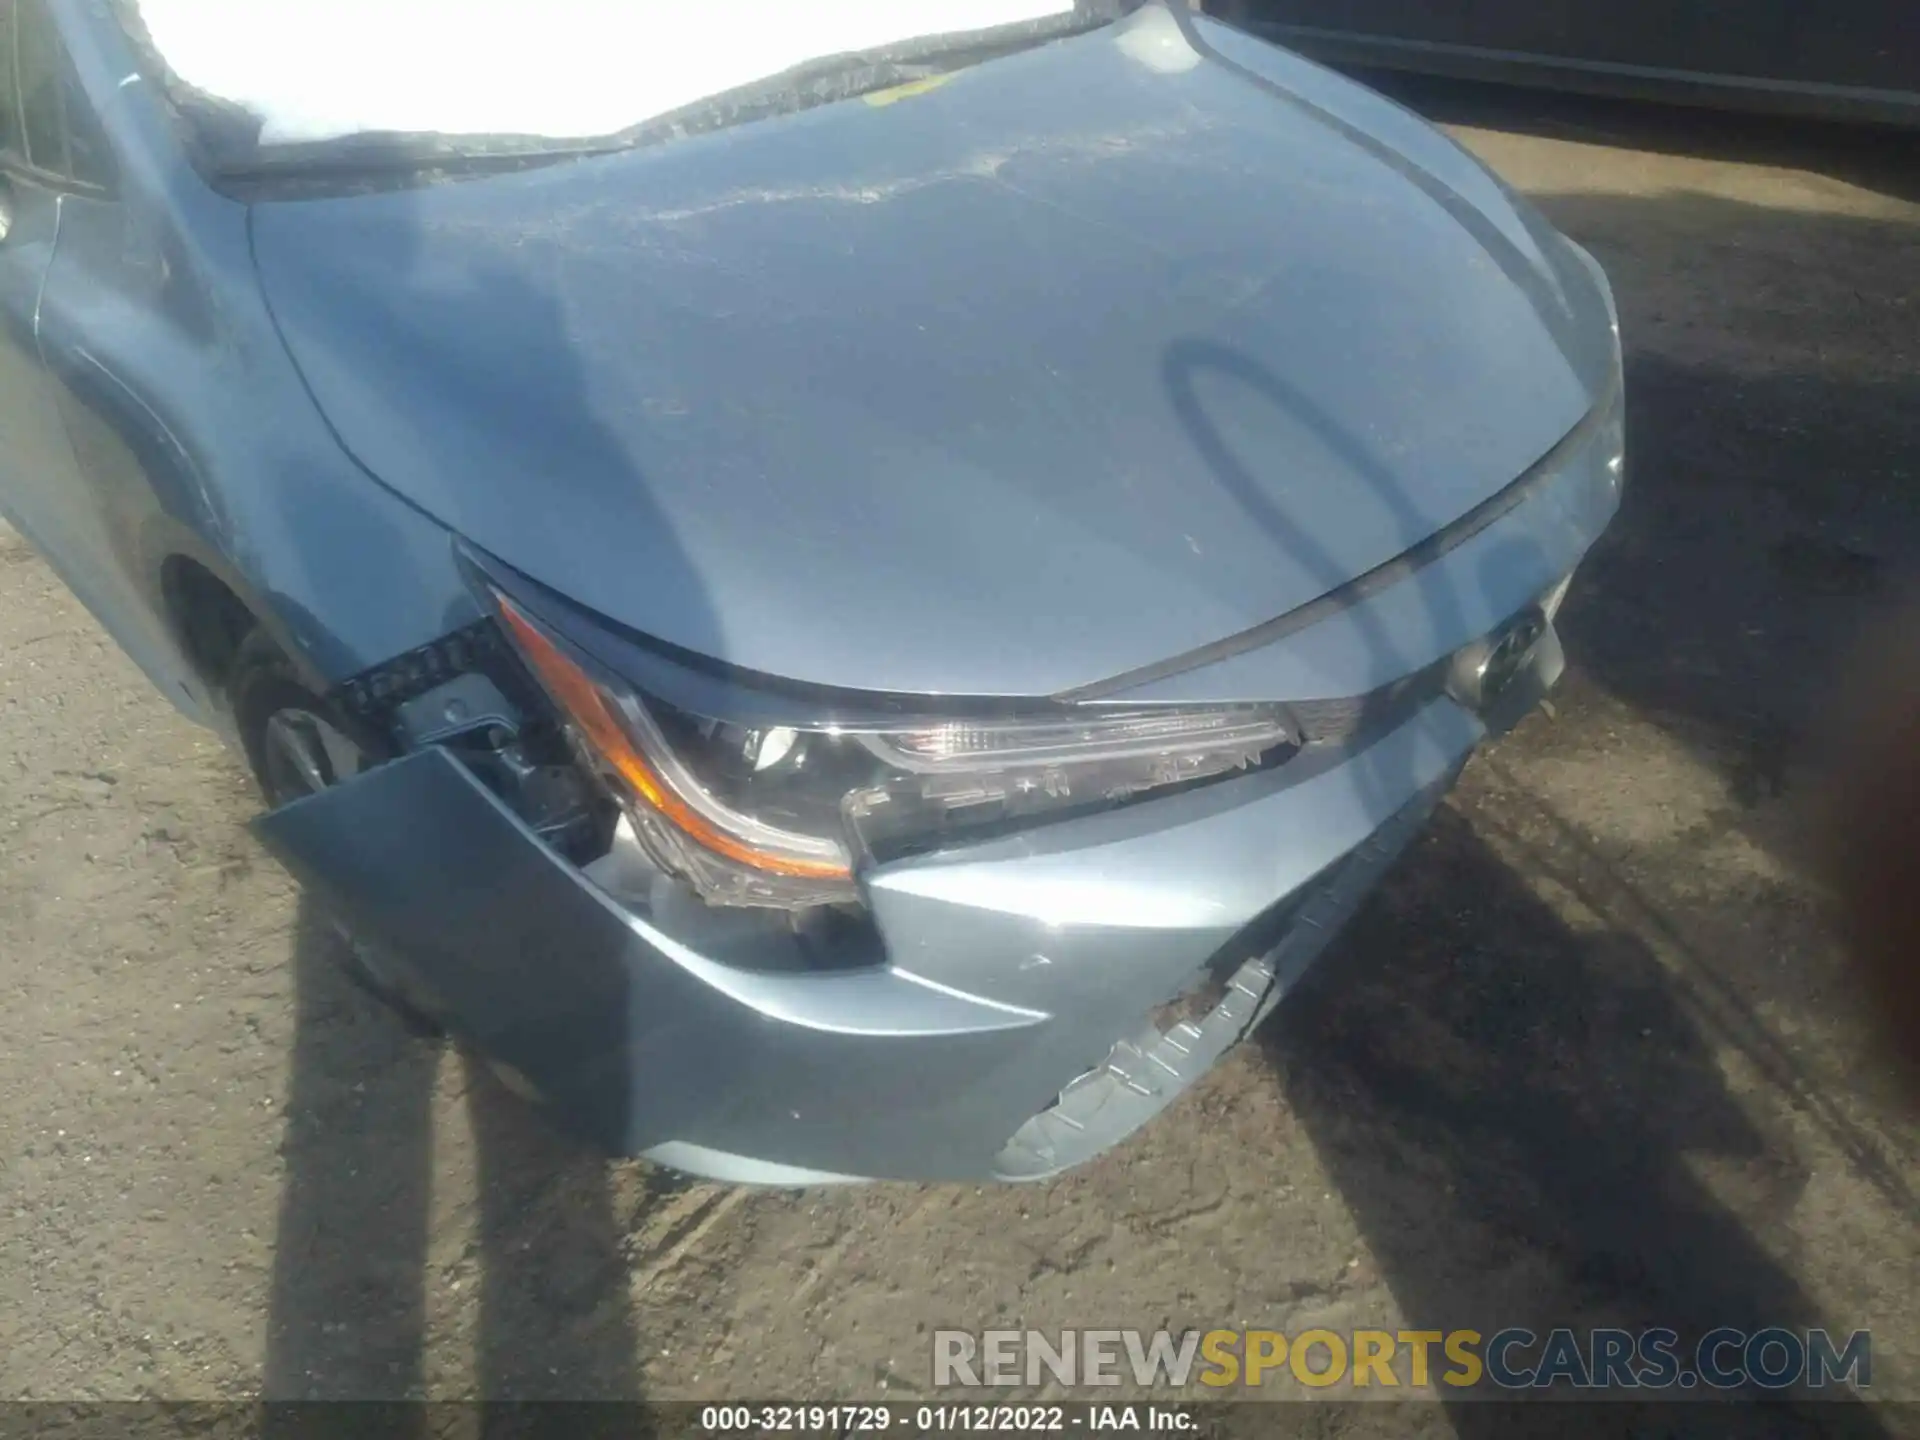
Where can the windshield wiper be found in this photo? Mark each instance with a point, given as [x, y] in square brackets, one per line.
[395, 157]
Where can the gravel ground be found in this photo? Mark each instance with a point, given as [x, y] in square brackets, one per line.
[1590, 1057]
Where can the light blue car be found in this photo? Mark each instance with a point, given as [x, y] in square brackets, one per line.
[871, 624]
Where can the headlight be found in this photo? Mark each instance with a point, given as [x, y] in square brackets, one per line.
[780, 815]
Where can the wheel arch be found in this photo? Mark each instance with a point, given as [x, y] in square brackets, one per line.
[208, 618]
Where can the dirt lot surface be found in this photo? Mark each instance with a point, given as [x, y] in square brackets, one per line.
[1589, 1058]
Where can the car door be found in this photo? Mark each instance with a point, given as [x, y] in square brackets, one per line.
[37, 472]
[67, 474]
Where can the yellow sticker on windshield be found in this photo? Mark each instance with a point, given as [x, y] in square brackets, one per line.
[912, 87]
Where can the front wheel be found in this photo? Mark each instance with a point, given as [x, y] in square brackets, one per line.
[297, 744]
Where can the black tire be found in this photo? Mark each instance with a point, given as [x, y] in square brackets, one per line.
[272, 704]
[262, 685]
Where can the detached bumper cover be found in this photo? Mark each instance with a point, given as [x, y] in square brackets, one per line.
[1015, 967]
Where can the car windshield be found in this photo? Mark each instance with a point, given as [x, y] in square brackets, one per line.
[271, 83]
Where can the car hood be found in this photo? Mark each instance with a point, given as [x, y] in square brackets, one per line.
[1084, 358]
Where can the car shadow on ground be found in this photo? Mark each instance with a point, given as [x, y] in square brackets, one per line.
[1771, 521]
[541, 1282]
[1771, 513]
[1521, 1116]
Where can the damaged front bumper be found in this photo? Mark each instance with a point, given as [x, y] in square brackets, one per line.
[1002, 1029]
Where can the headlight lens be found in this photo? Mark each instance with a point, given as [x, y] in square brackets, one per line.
[779, 815]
